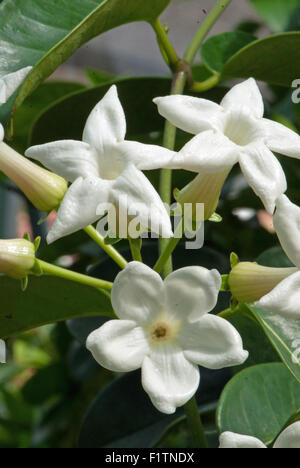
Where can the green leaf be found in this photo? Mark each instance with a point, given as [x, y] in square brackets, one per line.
[45, 384]
[274, 257]
[217, 50]
[47, 300]
[254, 339]
[258, 402]
[274, 59]
[283, 334]
[122, 415]
[98, 77]
[276, 13]
[44, 33]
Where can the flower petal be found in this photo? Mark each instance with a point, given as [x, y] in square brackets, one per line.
[263, 173]
[145, 157]
[289, 438]
[287, 226]
[1, 133]
[169, 379]
[284, 299]
[212, 342]
[119, 345]
[135, 195]
[245, 95]
[192, 292]
[229, 440]
[137, 293]
[280, 138]
[67, 158]
[191, 114]
[208, 152]
[10, 83]
[79, 206]
[106, 125]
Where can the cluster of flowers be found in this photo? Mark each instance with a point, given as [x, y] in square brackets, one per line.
[164, 327]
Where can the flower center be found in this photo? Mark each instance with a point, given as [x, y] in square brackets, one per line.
[161, 331]
[241, 129]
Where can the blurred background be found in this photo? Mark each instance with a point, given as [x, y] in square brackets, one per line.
[51, 380]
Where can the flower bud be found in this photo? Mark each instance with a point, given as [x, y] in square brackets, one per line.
[249, 282]
[44, 189]
[205, 189]
[17, 257]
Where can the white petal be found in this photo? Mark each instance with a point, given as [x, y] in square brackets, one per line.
[191, 114]
[137, 293]
[192, 292]
[208, 152]
[10, 83]
[247, 96]
[229, 440]
[67, 158]
[289, 438]
[79, 206]
[1, 133]
[169, 379]
[263, 173]
[135, 195]
[119, 345]
[287, 226]
[284, 299]
[212, 342]
[145, 157]
[106, 125]
[281, 139]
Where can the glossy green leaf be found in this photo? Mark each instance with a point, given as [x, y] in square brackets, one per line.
[45, 384]
[44, 33]
[276, 13]
[274, 257]
[122, 416]
[258, 402]
[284, 334]
[47, 300]
[274, 59]
[217, 50]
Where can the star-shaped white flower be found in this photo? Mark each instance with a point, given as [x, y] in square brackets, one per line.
[288, 439]
[232, 132]
[284, 299]
[103, 167]
[165, 329]
[10, 83]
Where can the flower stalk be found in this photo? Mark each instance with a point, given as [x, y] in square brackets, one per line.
[195, 424]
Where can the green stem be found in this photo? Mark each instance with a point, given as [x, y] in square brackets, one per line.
[168, 249]
[54, 270]
[195, 423]
[165, 188]
[109, 249]
[200, 87]
[204, 29]
[135, 247]
[165, 45]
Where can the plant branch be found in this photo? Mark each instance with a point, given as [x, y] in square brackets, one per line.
[54, 270]
[169, 53]
[195, 423]
[111, 251]
[135, 247]
[200, 87]
[204, 29]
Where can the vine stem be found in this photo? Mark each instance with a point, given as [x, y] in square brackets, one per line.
[204, 29]
[195, 424]
[135, 247]
[54, 270]
[167, 49]
[169, 249]
[200, 87]
[109, 249]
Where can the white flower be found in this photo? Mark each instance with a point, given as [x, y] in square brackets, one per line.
[103, 167]
[284, 299]
[10, 83]
[288, 439]
[165, 329]
[1, 133]
[233, 132]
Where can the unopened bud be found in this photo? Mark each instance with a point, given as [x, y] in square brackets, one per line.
[44, 189]
[17, 257]
[249, 282]
[204, 189]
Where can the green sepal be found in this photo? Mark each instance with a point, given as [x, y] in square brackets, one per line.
[215, 218]
[225, 284]
[27, 236]
[24, 283]
[36, 270]
[234, 259]
[42, 219]
[37, 242]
